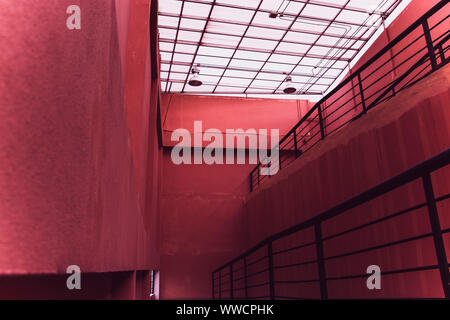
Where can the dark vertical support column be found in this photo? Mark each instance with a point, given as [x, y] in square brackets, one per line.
[361, 92]
[437, 234]
[251, 181]
[271, 281]
[231, 282]
[442, 55]
[220, 284]
[257, 169]
[245, 278]
[212, 286]
[320, 262]
[295, 143]
[426, 31]
[322, 128]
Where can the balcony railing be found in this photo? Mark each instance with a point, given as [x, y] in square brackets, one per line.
[414, 54]
[309, 254]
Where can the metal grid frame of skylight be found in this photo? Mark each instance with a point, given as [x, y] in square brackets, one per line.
[241, 50]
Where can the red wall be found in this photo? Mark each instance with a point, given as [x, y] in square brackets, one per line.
[202, 221]
[73, 169]
[402, 132]
[216, 112]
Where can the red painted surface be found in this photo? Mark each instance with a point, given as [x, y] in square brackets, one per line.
[395, 136]
[202, 217]
[221, 113]
[73, 168]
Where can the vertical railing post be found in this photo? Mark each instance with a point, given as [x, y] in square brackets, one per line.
[258, 173]
[361, 92]
[437, 234]
[426, 32]
[220, 284]
[295, 143]
[212, 285]
[251, 181]
[320, 262]
[322, 128]
[271, 280]
[442, 55]
[231, 282]
[245, 278]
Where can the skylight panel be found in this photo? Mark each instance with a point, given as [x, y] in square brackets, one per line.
[192, 24]
[226, 89]
[174, 87]
[168, 21]
[270, 76]
[226, 28]
[265, 33]
[240, 73]
[239, 15]
[271, 4]
[219, 52]
[262, 18]
[323, 12]
[181, 57]
[235, 47]
[219, 39]
[293, 47]
[293, 8]
[301, 37]
[196, 9]
[189, 36]
[236, 81]
[246, 64]
[242, 54]
[352, 16]
[278, 67]
[248, 3]
[184, 48]
[222, 62]
[171, 6]
[167, 33]
[258, 43]
[282, 58]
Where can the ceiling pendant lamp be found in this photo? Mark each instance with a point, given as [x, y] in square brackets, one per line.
[195, 79]
[288, 87]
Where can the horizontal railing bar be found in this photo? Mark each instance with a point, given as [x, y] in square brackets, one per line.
[381, 246]
[384, 273]
[394, 215]
[284, 266]
[256, 261]
[296, 281]
[258, 285]
[257, 273]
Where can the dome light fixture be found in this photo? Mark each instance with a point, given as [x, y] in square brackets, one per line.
[288, 87]
[195, 79]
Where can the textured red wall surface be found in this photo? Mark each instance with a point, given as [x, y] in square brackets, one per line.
[73, 157]
[202, 221]
[391, 138]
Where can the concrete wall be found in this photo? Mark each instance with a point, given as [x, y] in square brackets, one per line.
[73, 157]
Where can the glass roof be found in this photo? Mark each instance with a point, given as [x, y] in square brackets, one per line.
[240, 49]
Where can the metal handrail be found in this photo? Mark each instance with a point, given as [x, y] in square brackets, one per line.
[421, 171]
[430, 56]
